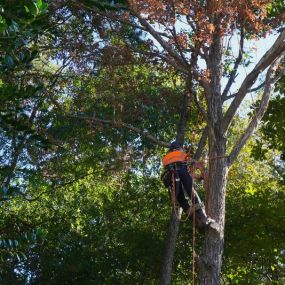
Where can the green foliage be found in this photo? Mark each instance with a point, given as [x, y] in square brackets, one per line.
[273, 132]
[112, 232]
[81, 201]
[20, 23]
[276, 8]
[254, 242]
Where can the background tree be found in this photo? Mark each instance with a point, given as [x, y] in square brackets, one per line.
[203, 27]
[117, 80]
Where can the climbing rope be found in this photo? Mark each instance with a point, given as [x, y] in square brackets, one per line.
[190, 212]
[175, 207]
[192, 173]
[193, 238]
[173, 195]
[173, 192]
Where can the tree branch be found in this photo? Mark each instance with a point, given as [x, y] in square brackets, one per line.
[55, 77]
[174, 36]
[201, 144]
[236, 65]
[112, 16]
[256, 88]
[119, 124]
[270, 56]
[17, 150]
[173, 63]
[201, 108]
[156, 35]
[249, 91]
[184, 117]
[269, 84]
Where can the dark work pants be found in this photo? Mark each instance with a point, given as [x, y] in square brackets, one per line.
[186, 184]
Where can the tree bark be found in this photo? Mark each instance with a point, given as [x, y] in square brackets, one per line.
[170, 244]
[210, 261]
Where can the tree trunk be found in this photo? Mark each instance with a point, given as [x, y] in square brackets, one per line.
[210, 261]
[170, 244]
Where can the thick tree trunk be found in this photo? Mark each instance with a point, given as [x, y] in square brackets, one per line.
[210, 261]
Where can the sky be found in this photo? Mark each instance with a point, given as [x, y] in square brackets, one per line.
[259, 48]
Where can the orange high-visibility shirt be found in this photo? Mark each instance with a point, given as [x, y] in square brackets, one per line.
[174, 156]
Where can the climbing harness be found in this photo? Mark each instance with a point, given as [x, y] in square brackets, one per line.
[173, 193]
[174, 188]
[172, 181]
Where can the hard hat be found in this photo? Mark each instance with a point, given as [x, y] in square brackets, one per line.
[174, 145]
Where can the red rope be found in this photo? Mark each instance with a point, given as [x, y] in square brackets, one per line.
[173, 196]
[193, 228]
[193, 240]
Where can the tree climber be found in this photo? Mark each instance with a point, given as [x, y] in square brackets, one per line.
[176, 171]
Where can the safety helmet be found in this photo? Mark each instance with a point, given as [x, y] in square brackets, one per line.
[174, 145]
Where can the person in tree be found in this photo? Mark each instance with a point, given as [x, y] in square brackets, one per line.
[176, 171]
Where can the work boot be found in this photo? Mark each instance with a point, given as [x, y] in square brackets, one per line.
[201, 221]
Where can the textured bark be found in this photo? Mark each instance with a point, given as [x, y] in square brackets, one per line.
[210, 261]
[170, 244]
[184, 117]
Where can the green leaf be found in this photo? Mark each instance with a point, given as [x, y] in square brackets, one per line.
[39, 4]
[9, 60]
[34, 9]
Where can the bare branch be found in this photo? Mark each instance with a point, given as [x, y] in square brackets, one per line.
[191, 23]
[157, 36]
[184, 117]
[256, 88]
[270, 56]
[257, 116]
[119, 124]
[201, 108]
[174, 35]
[173, 63]
[201, 144]
[249, 91]
[112, 16]
[236, 65]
